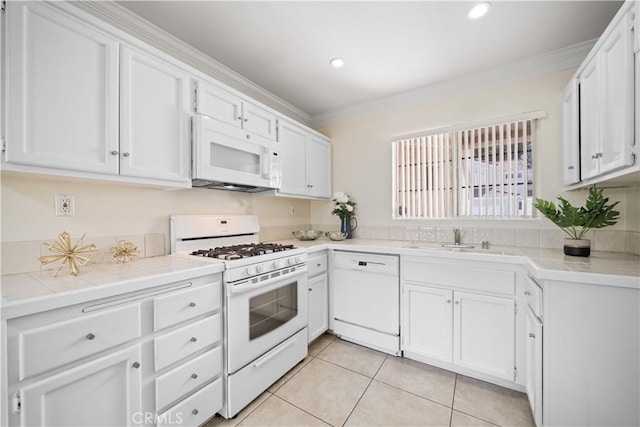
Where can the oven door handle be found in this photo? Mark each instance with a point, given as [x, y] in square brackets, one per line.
[248, 287]
[264, 359]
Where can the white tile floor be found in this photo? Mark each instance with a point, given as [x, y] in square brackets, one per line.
[343, 384]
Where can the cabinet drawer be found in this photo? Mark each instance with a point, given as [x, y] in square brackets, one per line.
[50, 346]
[196, 409]
[186, 304]
[317, 264]
[533, 295]
[188, 377]
[182, 342]
[476, 279]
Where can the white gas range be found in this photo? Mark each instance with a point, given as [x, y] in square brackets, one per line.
[265, 297]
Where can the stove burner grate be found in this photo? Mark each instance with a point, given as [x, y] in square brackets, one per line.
[234, 252]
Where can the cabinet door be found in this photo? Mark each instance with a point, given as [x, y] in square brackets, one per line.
[484, 334]
[318, 167]
[616, 57]
[534, 365]
[570, 134]
[104, 392]
[218, 104]
[292, 142]
[427, 322]
[590, 118]
[62, 91]
[258, 121]
[154, 118]
[318, 306]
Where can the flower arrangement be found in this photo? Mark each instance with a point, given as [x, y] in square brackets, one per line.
[344, 208]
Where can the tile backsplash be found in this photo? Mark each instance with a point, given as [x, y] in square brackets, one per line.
[601, 240]
[23, 257]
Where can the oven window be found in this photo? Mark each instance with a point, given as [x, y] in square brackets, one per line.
[272, 309]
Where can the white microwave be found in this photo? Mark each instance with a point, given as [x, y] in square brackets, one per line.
[225, 157]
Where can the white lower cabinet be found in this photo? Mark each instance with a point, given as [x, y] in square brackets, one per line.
[469, 330]
[103, 392]
[318, 295]
[129, 359]
[461, 318]
[534, 365]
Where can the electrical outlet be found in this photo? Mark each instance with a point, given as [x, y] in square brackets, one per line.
[65, 205]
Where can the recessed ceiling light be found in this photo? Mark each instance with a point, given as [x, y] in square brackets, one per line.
[336, 62]
[479, 10]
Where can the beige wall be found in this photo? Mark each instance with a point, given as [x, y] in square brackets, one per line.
[114, 209]
[361, 151]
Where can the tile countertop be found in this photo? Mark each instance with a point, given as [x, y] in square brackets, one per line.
[601, 268]
[28, 293]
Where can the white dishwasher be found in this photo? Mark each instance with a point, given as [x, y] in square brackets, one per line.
[365, 299]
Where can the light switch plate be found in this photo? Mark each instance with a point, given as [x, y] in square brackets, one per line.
[65, 205]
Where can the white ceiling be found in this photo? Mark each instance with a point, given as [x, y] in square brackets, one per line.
[389, 47]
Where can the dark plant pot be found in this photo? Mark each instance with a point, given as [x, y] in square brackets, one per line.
[577, 247]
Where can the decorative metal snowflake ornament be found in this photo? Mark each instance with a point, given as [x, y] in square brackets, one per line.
[124, 252]
[75, 255]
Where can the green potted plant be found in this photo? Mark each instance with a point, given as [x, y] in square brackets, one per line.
[576, 222]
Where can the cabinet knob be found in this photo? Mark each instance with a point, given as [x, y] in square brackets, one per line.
[248, 136]
[246, 120]
[527, 293]
[240, 118]
[194, 412]
[448, 301]
[114, 153]
[90, 336]
[193, 339]
[457, 302]
[532, 335]
[310, 289]
[136, 365]
[192, 304]
[570, 168]
[194, 376]
[125, 154]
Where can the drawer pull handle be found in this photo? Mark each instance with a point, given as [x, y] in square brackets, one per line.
[194, 376]
[194, 412]
[194, 339]
[192, 304]
[527, 293]
[90, 336]
[532, 335]
[136, 365]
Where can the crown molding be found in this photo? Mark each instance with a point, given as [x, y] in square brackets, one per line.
[127, 21]
[547, 63]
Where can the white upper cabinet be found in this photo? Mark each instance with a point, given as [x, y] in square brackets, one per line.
[222, 105]
[607, 106]
[154, 118]
[306, 162]
[62, 91]
[571, 134]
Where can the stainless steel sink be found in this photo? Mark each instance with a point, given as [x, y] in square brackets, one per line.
[457, 246]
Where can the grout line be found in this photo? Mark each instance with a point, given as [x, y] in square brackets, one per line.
[364, 392]
[413, 394]
[303, 410]
[453, 398]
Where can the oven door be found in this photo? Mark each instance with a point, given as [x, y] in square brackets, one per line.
[225, 154]
[262, 315]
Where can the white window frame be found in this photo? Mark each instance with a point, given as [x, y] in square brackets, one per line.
[432, 177]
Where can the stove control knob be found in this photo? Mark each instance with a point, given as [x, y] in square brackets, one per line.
[260, 268]
[298, 260]
[292, 261]
[251, 270]
[278, 264]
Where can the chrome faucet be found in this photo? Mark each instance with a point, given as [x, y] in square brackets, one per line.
[456, 236]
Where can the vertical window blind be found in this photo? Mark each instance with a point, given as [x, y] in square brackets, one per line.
[478, 172]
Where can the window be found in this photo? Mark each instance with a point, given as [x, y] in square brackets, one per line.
[481, 172]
